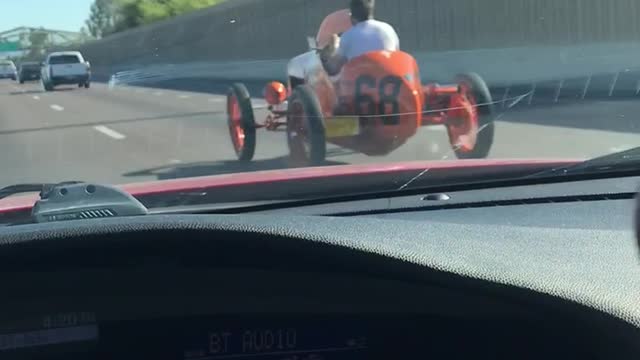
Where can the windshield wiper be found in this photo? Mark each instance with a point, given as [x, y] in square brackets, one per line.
[627, 160]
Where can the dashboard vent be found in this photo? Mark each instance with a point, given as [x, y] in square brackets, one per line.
[96, 214]
[494, 203]
[534, 201]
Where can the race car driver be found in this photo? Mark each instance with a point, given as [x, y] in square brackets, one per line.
[304, 65]
[366, 35]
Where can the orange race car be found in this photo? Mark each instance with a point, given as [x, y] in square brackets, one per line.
[374, 106]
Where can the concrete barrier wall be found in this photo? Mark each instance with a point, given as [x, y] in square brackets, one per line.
[507, 41]
[276, 29]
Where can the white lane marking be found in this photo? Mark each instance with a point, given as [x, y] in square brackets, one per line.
[175, 161]
[158, 93]
[215, 100]
[57, 107]
[109, 132]
[36, 97]
[438, 128]
[183, 96]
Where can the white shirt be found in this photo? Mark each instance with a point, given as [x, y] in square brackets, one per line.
[367, 36]
[302, 65]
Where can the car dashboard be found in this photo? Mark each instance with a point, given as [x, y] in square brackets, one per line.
[249, 314]
[459, 283]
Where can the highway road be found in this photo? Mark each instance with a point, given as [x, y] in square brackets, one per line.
[129, 134]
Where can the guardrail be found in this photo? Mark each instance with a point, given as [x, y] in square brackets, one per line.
[623, 84]
[545, 74]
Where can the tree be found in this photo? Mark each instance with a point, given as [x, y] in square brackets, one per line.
[178, 7]
[85, 35]
[183, 6]
[154, 10]
[101, 21]
[38, 40]
[128, 14]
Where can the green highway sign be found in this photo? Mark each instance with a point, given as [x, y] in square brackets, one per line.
[9, 46]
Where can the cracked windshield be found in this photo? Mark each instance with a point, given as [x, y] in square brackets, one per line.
[172, 95]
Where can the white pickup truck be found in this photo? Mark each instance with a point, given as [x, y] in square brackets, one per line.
[68, 67]
[7, 70]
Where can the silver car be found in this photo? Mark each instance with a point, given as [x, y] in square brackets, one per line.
[8, 70]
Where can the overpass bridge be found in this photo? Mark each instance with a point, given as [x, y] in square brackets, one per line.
[23, 40]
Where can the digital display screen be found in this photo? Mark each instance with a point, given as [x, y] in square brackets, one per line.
[197, 338]
[71, 336]
[293, 342]
[218, 338]
[50, 336]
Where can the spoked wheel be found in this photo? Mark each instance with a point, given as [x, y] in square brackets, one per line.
[471, 128]
[305, 128]
[241, 122]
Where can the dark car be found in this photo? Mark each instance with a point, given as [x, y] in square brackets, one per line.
[28, 71]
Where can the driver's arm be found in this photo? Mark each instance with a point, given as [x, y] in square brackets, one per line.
[332, 56]
[334, 64]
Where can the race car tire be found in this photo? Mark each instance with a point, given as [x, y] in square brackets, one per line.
[47, 86]
[242, 127]
[21, 81]
[479, 94]
[80, 85]
[305, 128]
[87, 85]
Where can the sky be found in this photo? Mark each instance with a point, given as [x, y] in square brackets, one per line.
[66, 15]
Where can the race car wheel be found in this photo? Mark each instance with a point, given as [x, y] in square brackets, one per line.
[47, 86]
[87, 85]
[305, 128]
[471, 129]
[241, 122]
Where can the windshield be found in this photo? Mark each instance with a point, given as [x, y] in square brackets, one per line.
[64, 59]
[7, 64]
[30, 66]
[239, 90]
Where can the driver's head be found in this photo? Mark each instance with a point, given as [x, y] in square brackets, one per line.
[362, 10]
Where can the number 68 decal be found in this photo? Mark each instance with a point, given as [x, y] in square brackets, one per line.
[388, 92]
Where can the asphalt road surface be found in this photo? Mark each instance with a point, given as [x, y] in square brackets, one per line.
[130, 134]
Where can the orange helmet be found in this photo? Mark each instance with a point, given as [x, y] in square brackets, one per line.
[336, 23]
[275, 93]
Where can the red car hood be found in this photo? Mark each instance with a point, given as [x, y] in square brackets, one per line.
[399, 172]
